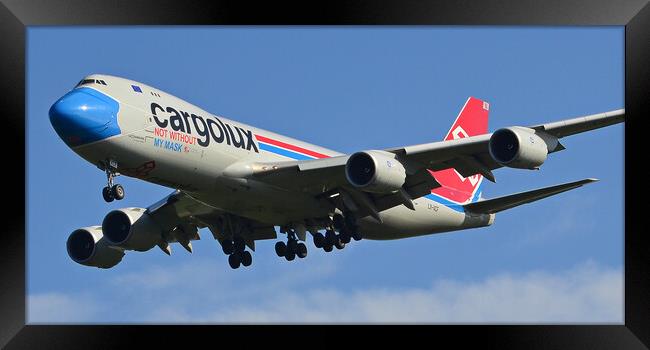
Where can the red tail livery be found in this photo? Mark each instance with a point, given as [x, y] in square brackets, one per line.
[471, 121]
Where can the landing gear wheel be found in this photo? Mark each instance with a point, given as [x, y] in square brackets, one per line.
[227, 246]
[246, 258]
[319, 240]
[339, 245]
[107, 194]
[117, 191]
[290, 255]
[301, 250]
[357, 236]
[111, 192]
[234, 260]
[328, 247]
[280, 249]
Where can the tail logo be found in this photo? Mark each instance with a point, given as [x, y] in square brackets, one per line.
[459, 133]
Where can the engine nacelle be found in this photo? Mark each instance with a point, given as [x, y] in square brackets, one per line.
[518, 147]
[375, 171]
[87, 246]
[131, 229]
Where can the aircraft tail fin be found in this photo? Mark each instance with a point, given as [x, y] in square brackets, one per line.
[471, 121]
[498, 204]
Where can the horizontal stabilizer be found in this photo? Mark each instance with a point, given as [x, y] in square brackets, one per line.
[495, 205]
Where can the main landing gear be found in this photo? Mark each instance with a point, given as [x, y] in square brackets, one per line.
[112, 191]
[292, 248]
[347, 228]
[237, 253]
[344, 224]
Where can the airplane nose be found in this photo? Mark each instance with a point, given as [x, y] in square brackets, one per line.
[84, 115]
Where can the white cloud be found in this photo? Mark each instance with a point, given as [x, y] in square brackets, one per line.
[60, 308]
[587, 293]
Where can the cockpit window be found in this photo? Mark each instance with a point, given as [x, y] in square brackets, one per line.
[91, 81]
[86, 81]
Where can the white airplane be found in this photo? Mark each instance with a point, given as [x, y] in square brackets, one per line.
[241, 182]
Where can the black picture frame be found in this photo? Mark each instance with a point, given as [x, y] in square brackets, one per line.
[17, 15]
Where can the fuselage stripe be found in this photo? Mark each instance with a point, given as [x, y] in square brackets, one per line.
[447, 203]
[455, 205]
[283, 152]
[286, 146]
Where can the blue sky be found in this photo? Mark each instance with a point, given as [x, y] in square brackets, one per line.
[348, 89]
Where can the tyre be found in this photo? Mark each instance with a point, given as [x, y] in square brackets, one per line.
[246, 258]
[280, 249]
[357, 236]
[339, 245]
[328, 248]
[234, 260]
[290, 256]
[117, 191]
[319, 240]
[107, 194]
[227, 246]
[301, 250]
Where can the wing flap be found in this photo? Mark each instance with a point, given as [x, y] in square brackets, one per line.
[312, 176]
[498, 204]
[179, 215]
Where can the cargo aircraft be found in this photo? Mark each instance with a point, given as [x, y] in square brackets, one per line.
[242, 182]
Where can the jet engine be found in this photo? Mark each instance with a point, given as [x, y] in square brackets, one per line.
[88, 246]
[375, 171]
[518, 147]
[131, 229]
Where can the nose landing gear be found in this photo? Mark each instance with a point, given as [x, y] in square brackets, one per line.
[112, 191]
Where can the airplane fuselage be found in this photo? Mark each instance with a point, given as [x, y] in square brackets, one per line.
[165, 140]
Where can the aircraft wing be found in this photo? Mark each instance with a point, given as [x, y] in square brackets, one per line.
[468, 156]
[581, 124]
[179, 216]
[495, 205]
[471, 156]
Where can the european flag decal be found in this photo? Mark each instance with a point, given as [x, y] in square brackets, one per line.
[136, 88]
